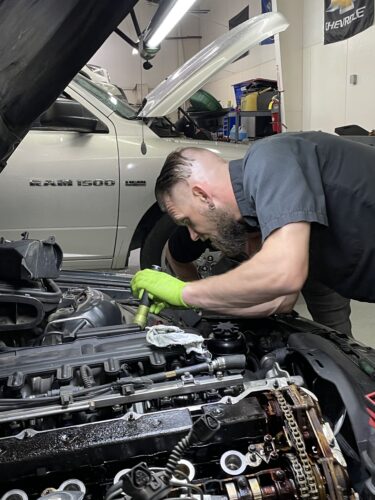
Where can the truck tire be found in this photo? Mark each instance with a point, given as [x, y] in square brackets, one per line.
[153, 246]
[153, 251]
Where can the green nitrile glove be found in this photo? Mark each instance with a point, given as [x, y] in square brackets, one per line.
[164, 288]
[157, 307]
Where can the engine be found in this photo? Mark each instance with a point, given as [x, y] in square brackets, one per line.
[195, 407]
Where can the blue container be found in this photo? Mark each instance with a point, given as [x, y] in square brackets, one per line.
[229, 121]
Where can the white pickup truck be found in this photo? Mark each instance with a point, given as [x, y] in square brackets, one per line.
[80, 173]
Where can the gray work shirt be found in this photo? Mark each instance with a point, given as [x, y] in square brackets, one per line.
[322, 179]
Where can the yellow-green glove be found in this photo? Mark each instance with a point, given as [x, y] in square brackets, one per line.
[164, 289]
[157, 307]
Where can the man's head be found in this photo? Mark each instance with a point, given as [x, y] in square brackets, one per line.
[194, 187]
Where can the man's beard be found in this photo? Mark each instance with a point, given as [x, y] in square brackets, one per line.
[231, 235]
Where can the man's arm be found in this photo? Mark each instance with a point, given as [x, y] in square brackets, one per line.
[280, 305]
[280, 268]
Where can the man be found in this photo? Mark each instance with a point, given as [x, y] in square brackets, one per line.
[312, 197]
[181, 252]
[325, 306]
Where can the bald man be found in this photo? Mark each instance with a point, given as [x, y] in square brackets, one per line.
[310, 195]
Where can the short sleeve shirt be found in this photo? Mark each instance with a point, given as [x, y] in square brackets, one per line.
[322, 179]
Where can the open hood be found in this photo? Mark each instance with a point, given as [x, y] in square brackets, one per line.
[182, 84]
[43, 44]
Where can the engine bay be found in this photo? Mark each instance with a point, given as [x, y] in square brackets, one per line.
[92, 406]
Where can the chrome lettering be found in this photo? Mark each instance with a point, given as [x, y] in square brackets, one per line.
[84, 183]
[66, 182]
[70, 182]
[340, 23]
[135, 183]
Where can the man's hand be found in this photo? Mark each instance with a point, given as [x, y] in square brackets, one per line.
[164, 290]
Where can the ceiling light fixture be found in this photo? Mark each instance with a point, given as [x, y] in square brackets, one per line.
[135, 51]
[169, 21]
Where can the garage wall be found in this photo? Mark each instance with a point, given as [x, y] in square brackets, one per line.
[124, 68]
[260, 63]
[329, 100]
[315, 77]
[290, 61]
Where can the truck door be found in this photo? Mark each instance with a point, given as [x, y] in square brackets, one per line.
[63, 180]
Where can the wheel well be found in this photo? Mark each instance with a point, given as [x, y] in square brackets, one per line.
[145, 225]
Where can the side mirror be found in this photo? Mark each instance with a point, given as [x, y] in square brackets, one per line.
[65, 114]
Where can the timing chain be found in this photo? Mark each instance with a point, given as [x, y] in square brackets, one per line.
[309, 478]
[299, 475]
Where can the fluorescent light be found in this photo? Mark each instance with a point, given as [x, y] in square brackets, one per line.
[135, 51]
[169, 22]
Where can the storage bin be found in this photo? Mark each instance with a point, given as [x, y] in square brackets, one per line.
[249, 102]
[238, 89]
[203, 101]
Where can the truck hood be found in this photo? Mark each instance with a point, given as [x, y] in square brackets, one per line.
[43, 44]
[186, 80]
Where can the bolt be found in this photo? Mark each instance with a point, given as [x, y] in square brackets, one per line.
[242, 482]
[274, 455]
[64, 438]
[218, 411]
[156, 423]
[48, 491]
[280, 475]
[252, 447]
[267, 438]
[253, 457]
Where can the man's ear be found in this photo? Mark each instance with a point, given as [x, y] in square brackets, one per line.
[201, 194]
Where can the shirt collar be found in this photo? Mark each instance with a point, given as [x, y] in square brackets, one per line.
[246, 206]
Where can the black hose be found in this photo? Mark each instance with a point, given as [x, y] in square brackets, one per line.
[115, 487]
[161, 376]
[114, 490]
[233, 362]
[109, 331]
[48, 296]
[202, 431]
[177, 453]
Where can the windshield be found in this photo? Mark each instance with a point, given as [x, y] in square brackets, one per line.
[115, 103]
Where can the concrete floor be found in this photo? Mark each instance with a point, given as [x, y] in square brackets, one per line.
[362, 317]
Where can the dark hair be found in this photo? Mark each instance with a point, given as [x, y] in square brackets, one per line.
[177, 167]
